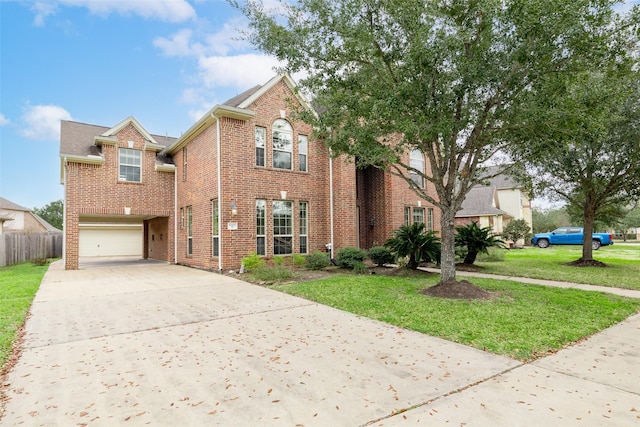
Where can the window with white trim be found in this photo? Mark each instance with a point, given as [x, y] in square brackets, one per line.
[261, 138]
[130, 165]
[416, 161]
[261, 227]
[430, 219]
[282, 139]
[282, 227]
[418, 215]
[303, 226]
[407, 215]
[303, 148]
[215, 228]
[189, 231]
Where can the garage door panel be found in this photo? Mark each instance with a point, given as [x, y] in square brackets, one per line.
[111, 241]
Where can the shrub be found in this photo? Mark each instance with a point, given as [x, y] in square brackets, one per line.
[476, 240]
[516, 229]
[277, 273]
[413, 242]
[347, 257]
[298, 259]
[317, 260]
[278, 260]
[380, 255]
[360, 267]
[253, 262]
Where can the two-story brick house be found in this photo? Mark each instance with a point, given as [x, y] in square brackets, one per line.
[247, 177]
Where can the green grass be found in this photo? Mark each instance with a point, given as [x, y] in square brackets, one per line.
[623, 263]
[18, 286]
[524, 322]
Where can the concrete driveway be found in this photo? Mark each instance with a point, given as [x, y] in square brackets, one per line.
[167, 345]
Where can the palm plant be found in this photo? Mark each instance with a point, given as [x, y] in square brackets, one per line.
[476, 240]
[414, 242]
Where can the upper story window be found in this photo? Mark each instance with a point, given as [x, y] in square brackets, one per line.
[261, 138]
[303, 148]
[416, 161]
[282, 144]
[130, 165]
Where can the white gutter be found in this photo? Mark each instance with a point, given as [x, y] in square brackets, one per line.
[219, 193]
[64, 215]
[175, 218]
[331, 199]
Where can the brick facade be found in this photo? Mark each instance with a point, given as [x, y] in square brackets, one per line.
[215, 169]
[94, 193]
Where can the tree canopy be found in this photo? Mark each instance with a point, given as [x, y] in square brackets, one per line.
[52, 213]
[444, 77]
[584, 144]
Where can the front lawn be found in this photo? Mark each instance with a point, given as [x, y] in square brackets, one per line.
[18, 286]
[623, 263]
[523, 322]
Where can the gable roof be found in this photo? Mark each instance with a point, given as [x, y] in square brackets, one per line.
[499, 179]
[236, 108]
[10, 206]
[79, 139]
[44, 223]
[238, 99]
[480, 202]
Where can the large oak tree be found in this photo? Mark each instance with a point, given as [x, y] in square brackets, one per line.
[441, 76]
[583, 144]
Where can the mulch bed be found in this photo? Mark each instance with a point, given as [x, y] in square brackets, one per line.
[588, 263]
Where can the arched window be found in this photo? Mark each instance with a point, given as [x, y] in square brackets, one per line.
[282, 144]
[416, 161]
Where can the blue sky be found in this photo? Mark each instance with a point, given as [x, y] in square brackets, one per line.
[165, 62]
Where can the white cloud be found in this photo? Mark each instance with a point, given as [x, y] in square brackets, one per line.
[3, 120]
[42, 122]
[42, 10]
[162, 10]
[179, 44]
[240, 71]
[184, 42]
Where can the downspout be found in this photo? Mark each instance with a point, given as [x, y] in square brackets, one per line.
[219, 173]
[331, 199]
[64, 215]
[175, 216]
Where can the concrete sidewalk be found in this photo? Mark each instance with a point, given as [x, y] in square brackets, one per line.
[169, 345]
[555, 283]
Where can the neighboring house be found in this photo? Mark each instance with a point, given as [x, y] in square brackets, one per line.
[495, 204]
[18, 219]
[245, 178]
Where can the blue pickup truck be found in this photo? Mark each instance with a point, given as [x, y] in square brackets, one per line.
[570, 236]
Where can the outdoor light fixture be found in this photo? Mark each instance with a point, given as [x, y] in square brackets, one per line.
[234, 209]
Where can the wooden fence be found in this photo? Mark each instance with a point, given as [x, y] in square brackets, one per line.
[19, 247]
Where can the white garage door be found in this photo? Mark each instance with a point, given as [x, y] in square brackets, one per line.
[121, 240]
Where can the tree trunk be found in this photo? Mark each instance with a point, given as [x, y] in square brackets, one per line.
[447, 236]
[587, 249]
[470, 258]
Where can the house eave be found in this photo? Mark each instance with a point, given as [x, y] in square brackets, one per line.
[150, 146]
[104, 140]
[89, 160]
